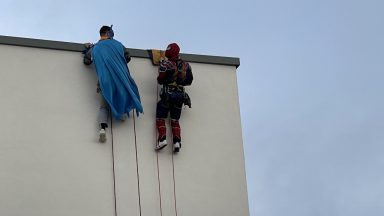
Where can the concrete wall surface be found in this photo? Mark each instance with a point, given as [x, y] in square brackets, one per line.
[51, 162]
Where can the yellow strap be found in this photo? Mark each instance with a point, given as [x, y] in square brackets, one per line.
[157, 56]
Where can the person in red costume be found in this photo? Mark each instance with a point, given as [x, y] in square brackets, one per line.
[174, 74]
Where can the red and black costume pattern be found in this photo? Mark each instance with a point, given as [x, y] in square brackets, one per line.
[173, 75]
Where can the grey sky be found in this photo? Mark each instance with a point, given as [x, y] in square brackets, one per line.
[310, 85]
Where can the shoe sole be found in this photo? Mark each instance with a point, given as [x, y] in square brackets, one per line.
[103, 138]
[176, 148]
[157, 148]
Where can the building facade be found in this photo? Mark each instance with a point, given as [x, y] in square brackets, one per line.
[51, 160]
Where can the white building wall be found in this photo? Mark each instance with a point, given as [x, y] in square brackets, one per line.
[52, 163]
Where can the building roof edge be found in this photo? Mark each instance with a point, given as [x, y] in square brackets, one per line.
[140, 53]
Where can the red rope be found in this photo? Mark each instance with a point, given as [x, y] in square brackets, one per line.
[113, 169]
[137, 162]
[157, 157]
[174, 184]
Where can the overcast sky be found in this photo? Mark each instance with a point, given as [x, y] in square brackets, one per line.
[310, 85]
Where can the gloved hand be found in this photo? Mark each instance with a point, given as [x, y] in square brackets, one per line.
[88, 45]
[162, 59]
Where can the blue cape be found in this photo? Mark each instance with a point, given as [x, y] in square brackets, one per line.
[116, 84]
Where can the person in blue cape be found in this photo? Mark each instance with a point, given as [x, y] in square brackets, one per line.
[118, 90]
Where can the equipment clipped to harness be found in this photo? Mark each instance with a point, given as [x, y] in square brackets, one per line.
[175, 95]
[187, 100]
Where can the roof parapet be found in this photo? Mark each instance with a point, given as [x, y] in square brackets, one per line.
[140, 53]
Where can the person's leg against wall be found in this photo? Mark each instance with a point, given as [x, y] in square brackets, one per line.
[103, 117]
[161, 114]
[175, 111]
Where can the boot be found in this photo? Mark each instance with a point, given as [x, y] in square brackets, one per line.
[162, 131]
[176, 133]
